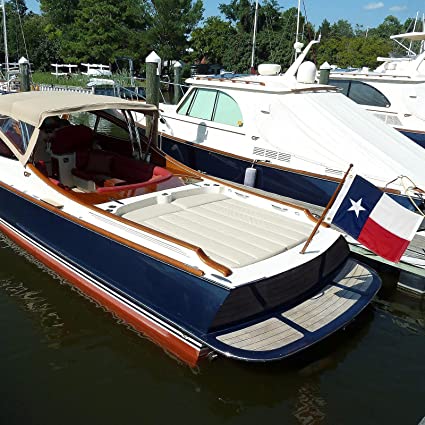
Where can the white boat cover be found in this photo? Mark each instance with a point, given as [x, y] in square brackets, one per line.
[328, 128]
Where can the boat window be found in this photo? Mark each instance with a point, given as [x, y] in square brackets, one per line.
[361, 93]
[343, 85]
[184, 108]
[5, 151]
[99, 124]
[109, 128]
[367, 95]
[203, 105]
[227, 111]
[13, 130]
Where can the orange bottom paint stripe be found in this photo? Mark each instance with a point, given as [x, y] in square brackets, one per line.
[162, 337]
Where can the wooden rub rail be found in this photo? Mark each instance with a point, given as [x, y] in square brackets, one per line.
[225, 271]
[232, 80]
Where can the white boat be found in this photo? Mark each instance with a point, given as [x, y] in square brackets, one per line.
[287, 135]
[395, 91]
[197, 265]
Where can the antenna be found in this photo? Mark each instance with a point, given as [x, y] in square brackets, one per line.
[254, 36]
[6, 51]
[298, 46]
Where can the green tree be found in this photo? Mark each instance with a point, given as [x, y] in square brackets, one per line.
[59, 13]
[212, 39]
[15, 15]
[342, 28]
[172, 22]
[325, 29]
[104, 29]
[240, 13]
[353, 51]
[390, 26]
[41, 48]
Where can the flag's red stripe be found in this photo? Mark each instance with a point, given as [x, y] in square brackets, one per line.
[382, 242]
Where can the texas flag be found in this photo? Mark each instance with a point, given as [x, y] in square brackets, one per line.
[373, 218]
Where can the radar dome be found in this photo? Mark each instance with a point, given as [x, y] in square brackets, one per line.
[307, 73]
[269, 69]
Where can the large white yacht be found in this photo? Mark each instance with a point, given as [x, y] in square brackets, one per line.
[288, 135]
[395, 91]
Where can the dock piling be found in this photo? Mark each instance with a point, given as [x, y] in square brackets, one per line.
[24, 70]
[177, 82]
[153, 71]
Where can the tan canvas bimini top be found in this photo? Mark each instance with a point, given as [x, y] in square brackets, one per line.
[33, 107]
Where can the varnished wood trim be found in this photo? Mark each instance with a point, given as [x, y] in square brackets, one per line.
[198, 250]
[315, 89]
[246, 189]
[410, 131]
[264, 164]
[250, 160]
[226, 80]
[99, 230]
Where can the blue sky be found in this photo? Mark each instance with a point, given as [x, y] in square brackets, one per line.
[367, 13]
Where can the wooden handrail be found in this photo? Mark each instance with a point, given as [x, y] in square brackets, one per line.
[150, 252]
[246, 189]
[198, 250]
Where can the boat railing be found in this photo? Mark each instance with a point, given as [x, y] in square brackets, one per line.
[118, 90]
[164, 89]
[54, 87]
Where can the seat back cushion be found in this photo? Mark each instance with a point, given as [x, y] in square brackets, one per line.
[131, 170]
[70, 139]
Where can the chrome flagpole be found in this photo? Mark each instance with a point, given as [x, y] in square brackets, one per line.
[325, 211]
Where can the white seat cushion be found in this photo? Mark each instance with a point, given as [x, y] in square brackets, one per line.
[229, 231]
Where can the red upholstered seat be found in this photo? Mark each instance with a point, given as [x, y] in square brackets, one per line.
[70, 139]
[99, 166]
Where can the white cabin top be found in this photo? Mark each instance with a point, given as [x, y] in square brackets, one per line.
[258, 83]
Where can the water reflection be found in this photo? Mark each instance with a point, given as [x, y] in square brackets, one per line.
[75, 354]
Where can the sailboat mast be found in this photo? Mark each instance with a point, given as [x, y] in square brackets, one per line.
[298, 29]
[254, 37]
[6, 52]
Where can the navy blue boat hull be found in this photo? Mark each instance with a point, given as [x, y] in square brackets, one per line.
[417, 136]
[285, 182]
[189, 308]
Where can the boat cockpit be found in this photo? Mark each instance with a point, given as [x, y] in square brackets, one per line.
[82, 158]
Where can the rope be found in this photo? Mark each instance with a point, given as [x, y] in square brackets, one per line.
[22, 30]
[408, 189]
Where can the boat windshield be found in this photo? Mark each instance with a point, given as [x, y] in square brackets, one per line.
[17, 132]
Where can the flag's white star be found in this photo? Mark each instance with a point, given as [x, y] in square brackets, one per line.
[356, 207]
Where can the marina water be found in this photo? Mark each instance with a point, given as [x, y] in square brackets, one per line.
[65, 359]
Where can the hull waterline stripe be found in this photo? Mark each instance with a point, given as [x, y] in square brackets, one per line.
[184, 347]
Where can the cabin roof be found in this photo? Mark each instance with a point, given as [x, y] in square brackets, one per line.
[258, 83]
[33, 107]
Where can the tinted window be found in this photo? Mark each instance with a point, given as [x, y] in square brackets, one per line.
[99, 124]
[13, 131]
[343, 85]
[227, 111]
[5, 151]
[361, 93]
[183, 109]
[367, 95]
[203, 104]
